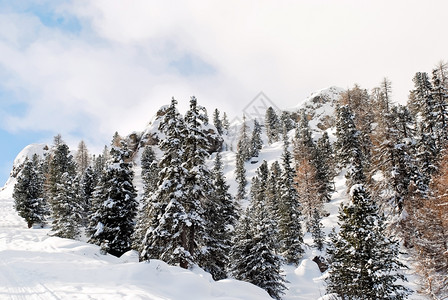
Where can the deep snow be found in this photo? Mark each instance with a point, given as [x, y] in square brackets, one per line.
[34, 265]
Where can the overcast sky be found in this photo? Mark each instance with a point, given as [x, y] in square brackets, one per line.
[88, 68]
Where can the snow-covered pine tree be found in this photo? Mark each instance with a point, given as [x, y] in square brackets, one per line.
[166, 237]
[217, 122]
[287, 121]
[244, 142]
[304, 147]
[325, 167]
[253, 255]
[63, 191]
[348, 147]
[225, 123]
[364, 262]
[316, 230]
[28, 193]
[290, 218]
[222, 215]
[67, 207]
[240, 175]
[60, 162]
[198, 188]
[112, 224]
[360, 104]
[272, 125]
[256, 143]
[273, 190]
[88, 183]
[150, 176]
[150, 170]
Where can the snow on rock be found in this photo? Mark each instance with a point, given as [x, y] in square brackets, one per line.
[320, 107]
[26, 153]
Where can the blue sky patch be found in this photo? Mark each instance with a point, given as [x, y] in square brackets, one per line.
[191, 65]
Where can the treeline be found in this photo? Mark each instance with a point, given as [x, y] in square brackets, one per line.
[393, 157]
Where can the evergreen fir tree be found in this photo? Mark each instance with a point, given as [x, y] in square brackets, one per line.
[325, 167]
[317, 230]
[217, 122]
[88, 183]
[28, 193]
[150, 177]
[363, 260]
[256, 143]
[286, 121]
[112, 224]
[198, 188]
[290, 229]
[244, 142]
[67, 207]
[222, 217]
[272, 125]
[63, 192]
[348, 147]
[304, 147]
[240, 176]
[253, 254]
[166, 237]
[273, 191]
[225, 123]
[360, 105]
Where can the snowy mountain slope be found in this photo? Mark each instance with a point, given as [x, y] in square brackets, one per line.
[35, 266]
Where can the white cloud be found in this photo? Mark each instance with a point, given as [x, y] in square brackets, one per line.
[122, 66]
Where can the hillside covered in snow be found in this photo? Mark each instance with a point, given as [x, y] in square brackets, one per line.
[35, 264]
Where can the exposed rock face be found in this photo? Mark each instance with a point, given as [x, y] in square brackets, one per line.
[320, 107]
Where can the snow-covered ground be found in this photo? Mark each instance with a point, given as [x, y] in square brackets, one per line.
[34, 265]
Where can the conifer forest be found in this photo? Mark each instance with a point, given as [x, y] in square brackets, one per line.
[350, 181]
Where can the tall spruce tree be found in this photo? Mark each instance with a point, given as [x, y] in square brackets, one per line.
[256, 143]
[272, 125]
[150, 176]
[63, 191]
[222, 215]
[240, 175]
[325, 167]
[290, 228]
[217, 122]
[112, 224]
[348, 146]
[317, 230]
[67, 207]
[364, 262]
[273, 191]
[198, 188]
[168, 229]
[253, 255]
[28, 193]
